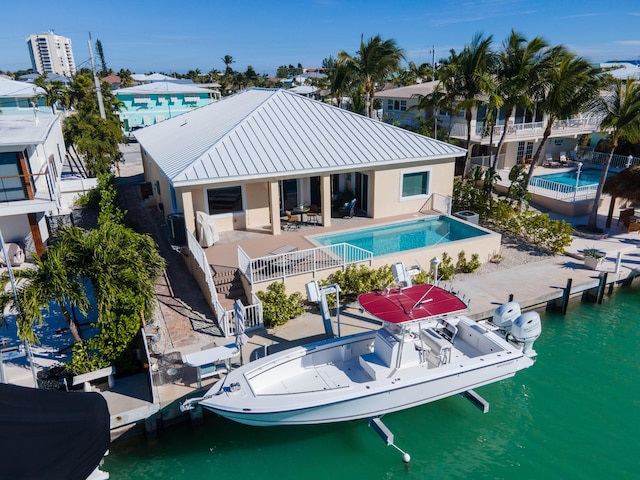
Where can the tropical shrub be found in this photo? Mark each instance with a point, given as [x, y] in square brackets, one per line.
[278, 307]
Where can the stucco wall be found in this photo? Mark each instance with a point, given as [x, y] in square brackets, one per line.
[386, 184]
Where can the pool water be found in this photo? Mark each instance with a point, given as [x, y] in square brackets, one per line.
[398, 237]
[589, 176]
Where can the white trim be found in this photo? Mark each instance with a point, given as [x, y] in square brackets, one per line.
[415, 197]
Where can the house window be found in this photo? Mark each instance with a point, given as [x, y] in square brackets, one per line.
[525, 150]
[415, 184]
[399, 105]
[12, 183]
[224, 200]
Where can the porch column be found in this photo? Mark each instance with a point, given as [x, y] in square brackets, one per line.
[35, 233]
[274, 207]
[325, 199]
[187, 208]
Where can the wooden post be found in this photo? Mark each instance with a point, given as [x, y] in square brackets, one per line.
[565, 297]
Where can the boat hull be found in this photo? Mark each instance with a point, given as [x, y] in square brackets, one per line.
[399, 397]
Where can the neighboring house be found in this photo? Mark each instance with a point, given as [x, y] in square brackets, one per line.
[307, 91]
[250, 156]
[524, 129]
[31, 158]
[396, 103]
[50, 77]
[21, 98]
[622, 70]
[151, 103]
[158, 77]
[114, 80]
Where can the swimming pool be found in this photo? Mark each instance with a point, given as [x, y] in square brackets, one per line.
[398, 237]
[589, 176]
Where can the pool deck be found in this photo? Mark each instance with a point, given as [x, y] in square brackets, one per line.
[224, 254]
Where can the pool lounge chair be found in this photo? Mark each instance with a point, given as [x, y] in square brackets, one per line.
[563, 158]
[550, 162]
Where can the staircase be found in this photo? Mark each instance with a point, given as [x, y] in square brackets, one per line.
[228, 286]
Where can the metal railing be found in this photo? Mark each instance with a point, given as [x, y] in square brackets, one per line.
[226, 318]
[252, 317]
[14, 188]
[561, 191]
[437, 203]
[300, 262]
[600, 158]
[201, 260]
[572, 126]
[485, 160]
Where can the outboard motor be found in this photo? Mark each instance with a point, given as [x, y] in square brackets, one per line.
[525, 330]
[505, 315]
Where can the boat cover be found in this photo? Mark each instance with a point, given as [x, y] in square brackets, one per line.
[410, 304]
[51, 434]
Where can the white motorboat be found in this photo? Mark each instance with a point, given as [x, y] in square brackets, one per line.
[426, 350]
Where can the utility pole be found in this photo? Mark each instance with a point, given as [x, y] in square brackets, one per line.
[96, 81]
[433, 63]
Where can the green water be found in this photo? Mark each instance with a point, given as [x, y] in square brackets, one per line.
[574, 414]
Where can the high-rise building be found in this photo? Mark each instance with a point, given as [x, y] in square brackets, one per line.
[51, 53]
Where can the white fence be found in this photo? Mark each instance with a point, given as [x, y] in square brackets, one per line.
[226, 318]
[560, 191]
[299, 262]
[588, 155]
[438, 203]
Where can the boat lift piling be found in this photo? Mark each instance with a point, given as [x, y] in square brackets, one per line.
[387, 435]
[476, 400]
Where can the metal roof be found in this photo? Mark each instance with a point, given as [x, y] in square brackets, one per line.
[12, 88]
[424, 88]
[265, 133]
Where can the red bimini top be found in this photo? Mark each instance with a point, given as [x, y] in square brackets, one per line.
[411, 303]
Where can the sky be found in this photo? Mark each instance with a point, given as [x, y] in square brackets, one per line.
[177, 36]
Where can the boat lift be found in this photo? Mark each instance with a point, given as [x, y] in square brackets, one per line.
[318, 294]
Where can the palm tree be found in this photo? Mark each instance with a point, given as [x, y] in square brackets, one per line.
[518, 74]
[621, 109]
[371, 64]
[227, 60]
[472, 64]
[52, 279]
[569, 84]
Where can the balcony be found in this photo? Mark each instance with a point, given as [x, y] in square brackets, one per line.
[20, 194]
[527, 131]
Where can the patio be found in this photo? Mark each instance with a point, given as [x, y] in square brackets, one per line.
[224, 254]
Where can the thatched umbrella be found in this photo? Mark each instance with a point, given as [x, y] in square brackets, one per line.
[624, 184]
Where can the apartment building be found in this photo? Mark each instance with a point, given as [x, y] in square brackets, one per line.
[51, 53]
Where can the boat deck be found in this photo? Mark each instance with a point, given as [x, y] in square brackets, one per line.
[343, 374]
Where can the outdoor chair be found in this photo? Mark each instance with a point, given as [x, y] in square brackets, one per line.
[550, 162]
[293, 221]
[563, 157]
[312, 214]
[625, 216]
[348, 209]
